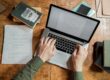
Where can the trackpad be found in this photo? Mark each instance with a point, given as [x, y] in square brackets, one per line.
[61, 59]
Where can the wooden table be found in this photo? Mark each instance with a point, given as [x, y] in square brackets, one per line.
[49, 71]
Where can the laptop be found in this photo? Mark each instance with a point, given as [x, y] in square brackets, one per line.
[69, 29]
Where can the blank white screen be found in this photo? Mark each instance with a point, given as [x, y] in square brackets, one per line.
[70, 23]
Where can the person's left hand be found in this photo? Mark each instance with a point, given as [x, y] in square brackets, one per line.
[46, 48]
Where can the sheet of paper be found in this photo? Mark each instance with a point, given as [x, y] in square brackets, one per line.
[106, 7]
[97, 4]
[17, 48]
[100, 9]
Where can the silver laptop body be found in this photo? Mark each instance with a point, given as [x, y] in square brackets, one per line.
[70, 26]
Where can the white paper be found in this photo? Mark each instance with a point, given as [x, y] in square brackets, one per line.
[17, 48]
[97, 3]
[99, 8]
[106, 7]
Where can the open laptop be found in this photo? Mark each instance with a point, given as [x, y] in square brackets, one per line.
[68, 28]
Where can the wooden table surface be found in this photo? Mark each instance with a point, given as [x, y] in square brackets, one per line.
[49, 71]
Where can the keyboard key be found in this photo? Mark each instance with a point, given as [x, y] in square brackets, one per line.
[63, 44]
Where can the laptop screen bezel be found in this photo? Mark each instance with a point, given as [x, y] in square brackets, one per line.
[52, 5]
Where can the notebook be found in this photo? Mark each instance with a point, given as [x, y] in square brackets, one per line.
[107, 53]
[36, 8]
[26, 14]
[98, 56]
[17, 47]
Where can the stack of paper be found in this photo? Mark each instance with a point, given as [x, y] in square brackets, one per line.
[17, 48]
[103, 8]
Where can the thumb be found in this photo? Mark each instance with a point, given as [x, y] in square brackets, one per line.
[74, 53]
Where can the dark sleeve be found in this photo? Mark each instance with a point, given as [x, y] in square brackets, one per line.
[29, 70]
[77, 76]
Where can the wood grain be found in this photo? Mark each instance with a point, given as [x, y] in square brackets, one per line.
[49, 71]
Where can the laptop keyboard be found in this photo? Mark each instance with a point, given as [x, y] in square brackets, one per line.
[63, 44]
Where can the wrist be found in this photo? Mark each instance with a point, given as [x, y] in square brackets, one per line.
[78, 68]
[41, 57]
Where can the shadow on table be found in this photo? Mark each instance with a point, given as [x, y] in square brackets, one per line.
[9, 71]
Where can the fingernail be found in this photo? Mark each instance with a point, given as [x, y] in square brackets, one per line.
[55, 40]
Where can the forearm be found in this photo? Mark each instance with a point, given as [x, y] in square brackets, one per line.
[77, 76]
[29, 70]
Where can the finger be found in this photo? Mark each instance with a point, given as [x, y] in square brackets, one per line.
[78, 46]
[79, 49]
[50, 41]
[75, 52]
[42, 41]
[86, 51]
[46, 40]
[53, 43]
[54, 49]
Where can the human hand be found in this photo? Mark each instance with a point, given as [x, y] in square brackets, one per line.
[78, 58]
[46, 48]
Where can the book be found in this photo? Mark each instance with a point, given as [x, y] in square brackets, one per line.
[99, 63]
[17, 46]
[26, 14]
[99, 56]
[107, 53]
[18, 21]
[90, 13]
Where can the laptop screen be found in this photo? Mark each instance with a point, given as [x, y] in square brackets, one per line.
[71, 23]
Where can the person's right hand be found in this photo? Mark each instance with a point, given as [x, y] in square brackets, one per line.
[46, 48]
[78, 58]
